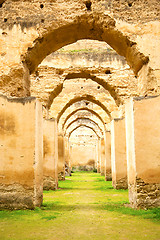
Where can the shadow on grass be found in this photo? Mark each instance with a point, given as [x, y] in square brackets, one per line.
[52, 210]
[152, 214]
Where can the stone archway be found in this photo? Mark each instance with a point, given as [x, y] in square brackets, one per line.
[87, 75]
[83, 119]
[83, 153]
[96, 26]
[88, 98]
[83, 125]
[82, 109]
[59, 30]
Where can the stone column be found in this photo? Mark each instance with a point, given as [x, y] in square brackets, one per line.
[103, 157]
[67, 157]
[108, 172]
[50, 154]
[21, 153]
[98, 155]
[70, 154]
[118, 154]
[61, 158]
[143, 148]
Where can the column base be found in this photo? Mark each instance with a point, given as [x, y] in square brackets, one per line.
[49, 183]
[16, 196]
[61, 176]
[144, 195]
[121, 183]
[102, 172]
[108, 176]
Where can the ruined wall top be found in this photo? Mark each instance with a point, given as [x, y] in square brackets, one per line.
[34, 13]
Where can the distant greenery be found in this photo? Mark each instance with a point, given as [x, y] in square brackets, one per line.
[86, 50]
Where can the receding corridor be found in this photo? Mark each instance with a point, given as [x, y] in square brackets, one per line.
[84, 207]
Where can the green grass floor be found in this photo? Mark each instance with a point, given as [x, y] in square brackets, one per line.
[85, 207]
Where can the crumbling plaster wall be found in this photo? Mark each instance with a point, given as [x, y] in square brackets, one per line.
[142, 138]
[21, 168]
[83, 154]
[61, 157]
[103, 157]
[72, 89]
[50, 154]
[85, 114]
[49, 84]
[82, 104]
[22, 22]
[77, 124]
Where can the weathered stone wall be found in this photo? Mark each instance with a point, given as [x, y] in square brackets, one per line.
[108, 172]
[67, 156]
[48, 87]
[21, 168]
[85, 114]
[30, 36]
[89, 55]
[118, 154]
[61, 157]
[110, 84]
[99, 155]
[87, 121]
[142, 129]
[103, 157]
[50, 154]
[83, 155]
[67, 153]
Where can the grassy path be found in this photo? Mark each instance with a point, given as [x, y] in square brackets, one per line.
[84, 208]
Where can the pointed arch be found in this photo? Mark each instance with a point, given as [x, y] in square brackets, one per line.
[83, 109]
[87, 75]
[83, 125]
[84, 119]
[93, 25]
[88, 98]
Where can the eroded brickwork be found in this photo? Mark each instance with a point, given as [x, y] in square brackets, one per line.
[49, 183]
[121, 183]
[144, 195]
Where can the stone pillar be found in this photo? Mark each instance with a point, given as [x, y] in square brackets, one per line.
[118, 154]
[67, 157]
[143, 148]
[103, 157]
[70, 154]
[21, 153]
[50, 154]
[61, 158]
[98, 155]
[108, 172]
